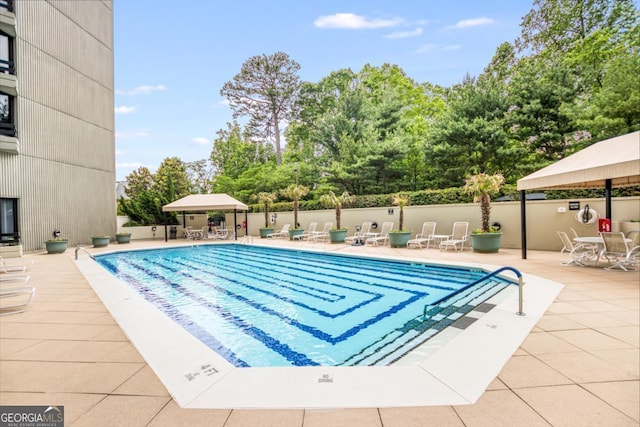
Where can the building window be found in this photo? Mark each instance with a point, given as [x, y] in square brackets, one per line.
[9, 221]
[7, 64]
[7, 126]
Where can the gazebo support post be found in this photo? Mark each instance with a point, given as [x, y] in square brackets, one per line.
[607, 196]
[523, 222]
[235, 224]
[166, 237]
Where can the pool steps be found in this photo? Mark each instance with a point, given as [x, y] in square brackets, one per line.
[436, 318]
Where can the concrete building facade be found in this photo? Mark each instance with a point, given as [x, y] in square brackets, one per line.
[57, 140]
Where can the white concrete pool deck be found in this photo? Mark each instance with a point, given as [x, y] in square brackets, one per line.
[579, 365]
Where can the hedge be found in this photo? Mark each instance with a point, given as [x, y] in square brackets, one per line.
[445, 197]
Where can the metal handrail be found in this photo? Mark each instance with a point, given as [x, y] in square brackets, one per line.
[483, 278]
[85, 250]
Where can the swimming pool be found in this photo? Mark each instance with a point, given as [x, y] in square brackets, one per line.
[259, 306]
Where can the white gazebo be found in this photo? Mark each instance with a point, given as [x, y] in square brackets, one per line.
[206, 202]
[606, 164]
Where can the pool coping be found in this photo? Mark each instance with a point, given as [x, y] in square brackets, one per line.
[197, 377]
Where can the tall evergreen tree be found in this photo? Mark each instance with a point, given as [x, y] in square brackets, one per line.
[265, 90]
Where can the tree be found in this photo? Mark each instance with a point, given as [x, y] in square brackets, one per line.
[482, 186]
[295, 192]
[584, 33]
[265, 90]
[615, 110]
[171, 181]
[401, 200]
[199, 173]
[234, 152]
[267, 200]
[332, 200]
[471, 137]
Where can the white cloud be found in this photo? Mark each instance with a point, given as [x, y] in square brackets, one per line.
[404, 34]
[125, 109]
[449, 47]
[119, 152]
[430, 47]
[141, 90]
[200, 140]
[354, 22]
[468, 23]
[131, 165]
[131, 134]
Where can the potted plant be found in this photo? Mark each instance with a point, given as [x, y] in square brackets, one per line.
[57, 245]
[267, 200]
[482, 186]
[337, 234]
[100, 241]
[399, 238]
[123, 237]
[10, 247]
[294, 192]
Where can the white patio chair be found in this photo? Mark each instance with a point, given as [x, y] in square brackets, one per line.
[283, 233]
[9, 266]
[322, 235]
[578, 254]
[359, 236]
[16, 299]
[457, 238]
[619, 253]
[425, 236]
[307, 233]
[383, 237]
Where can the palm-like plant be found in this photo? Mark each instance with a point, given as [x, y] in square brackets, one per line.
[294, 192]
[267, 200]
[332, 200]
[482, 186]
[401, 200]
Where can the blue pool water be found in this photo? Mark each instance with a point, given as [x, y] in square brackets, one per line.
[259, 306]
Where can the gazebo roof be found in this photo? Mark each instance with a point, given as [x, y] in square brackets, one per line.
[617, 159]
[205, 202]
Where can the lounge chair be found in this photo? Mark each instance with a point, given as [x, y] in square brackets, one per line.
[282, 234]
[322, 235]
[308, 233]
[7, 266]
[457, 238]
[425, 236]
[619, 253]
[578, 254]
[359, 236]
[16, 299]
[14, 277]
[382, 237]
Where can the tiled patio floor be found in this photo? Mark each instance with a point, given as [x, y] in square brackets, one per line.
[580, 366]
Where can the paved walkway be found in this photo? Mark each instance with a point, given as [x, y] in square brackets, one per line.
[580, 366]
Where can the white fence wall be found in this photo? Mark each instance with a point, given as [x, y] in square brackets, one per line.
[543, 217]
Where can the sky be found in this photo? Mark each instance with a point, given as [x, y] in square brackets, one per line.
[172, 58]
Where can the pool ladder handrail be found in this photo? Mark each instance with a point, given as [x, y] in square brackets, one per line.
[85, 250]
[485, 277]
